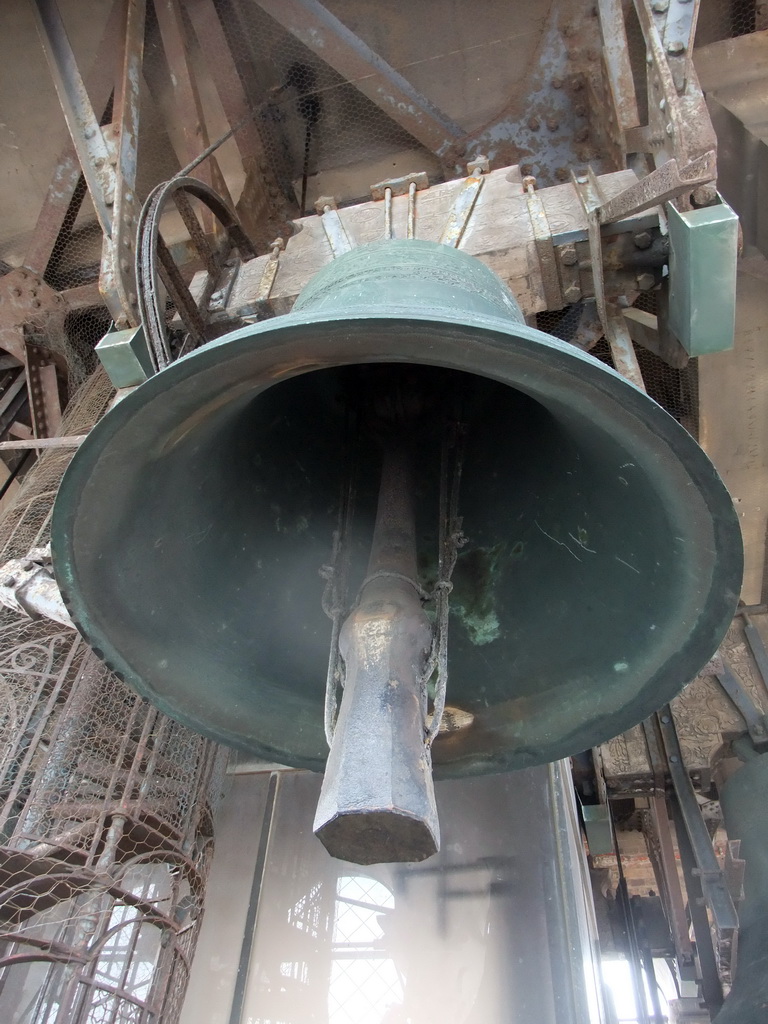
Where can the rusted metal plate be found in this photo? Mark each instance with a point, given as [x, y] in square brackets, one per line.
[461, 211]
[542, 233]
[616, 55]
[25, 298]
[43, 390]
[399, 186]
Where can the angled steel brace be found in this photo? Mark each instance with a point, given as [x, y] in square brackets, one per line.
[323, 33]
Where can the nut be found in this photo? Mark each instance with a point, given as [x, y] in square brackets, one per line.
[572, 293]
[568, 255]
[659, 6]
[645, 281]
[534, 124]
[553, 123]
[676, 46]
[642, 240]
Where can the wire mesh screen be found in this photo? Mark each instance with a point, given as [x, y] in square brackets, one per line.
[105, 810]
[676, 390]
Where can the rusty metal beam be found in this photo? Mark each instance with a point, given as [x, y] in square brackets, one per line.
[118, 279]
[616, 53]
[188, 108]
[81, 120]
[56, 205]
[43, 390]
[333, 42]
[230, 85]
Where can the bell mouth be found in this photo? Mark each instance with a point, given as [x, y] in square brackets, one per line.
[602, 569]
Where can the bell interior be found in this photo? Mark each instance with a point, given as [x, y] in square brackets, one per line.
[585, 596]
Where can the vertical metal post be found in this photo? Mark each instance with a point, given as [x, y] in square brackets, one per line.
[81, 120]
[377, 803]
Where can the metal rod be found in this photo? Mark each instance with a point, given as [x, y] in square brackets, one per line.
[65, 441]
[753, 716]
[710, 980]
[254, 901]
[712, 881]
[387, 212]
[670, 885]
[411, 233]
[377, 802]
[757, 647]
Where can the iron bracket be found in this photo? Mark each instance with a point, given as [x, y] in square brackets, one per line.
[335, 232]
[713, 882]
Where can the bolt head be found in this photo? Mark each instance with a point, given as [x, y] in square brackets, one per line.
[568, 256]
[642, 240]
[553, 123]
[676, 46]
[572, 293]
[534, 124]
[660, 6]
[645, 281]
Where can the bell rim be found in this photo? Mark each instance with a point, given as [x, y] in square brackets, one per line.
[724, 519]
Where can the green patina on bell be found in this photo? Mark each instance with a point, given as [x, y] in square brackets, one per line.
[603, 557]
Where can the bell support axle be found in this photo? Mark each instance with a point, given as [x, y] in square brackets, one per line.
[377, 802]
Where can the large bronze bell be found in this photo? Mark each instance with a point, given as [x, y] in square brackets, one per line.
[601, 567]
